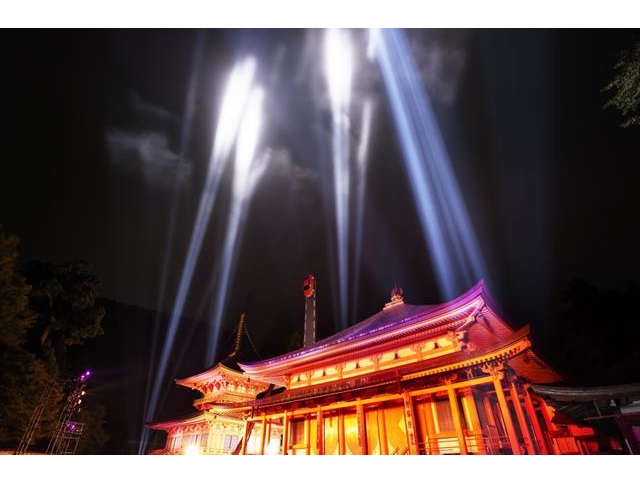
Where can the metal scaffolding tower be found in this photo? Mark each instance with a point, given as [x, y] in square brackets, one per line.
[68, 432]
[34, 421]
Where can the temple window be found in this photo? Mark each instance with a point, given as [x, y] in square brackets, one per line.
[350, 366]
[405, 352]
[443, 412]
[230, 442]
[387, 357]
[365, 362]
[297, 432]
[177, 443]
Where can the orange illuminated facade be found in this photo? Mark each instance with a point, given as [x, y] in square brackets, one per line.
[451, 378]
[208, 432]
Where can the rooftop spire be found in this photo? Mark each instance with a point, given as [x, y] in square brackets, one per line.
[238, 337]
[397, 296]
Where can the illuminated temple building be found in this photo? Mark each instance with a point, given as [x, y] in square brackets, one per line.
[209, 431]
[452, 378]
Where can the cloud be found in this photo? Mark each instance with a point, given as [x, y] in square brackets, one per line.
[277, 65]
[281, 167]
[148, 154]
[151, 110]
[441, 56]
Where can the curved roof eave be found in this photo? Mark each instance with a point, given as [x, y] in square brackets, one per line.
[189, 419]
[588, 394]
[385, 322]
[206, 375]
[194, 380]
[517, 344]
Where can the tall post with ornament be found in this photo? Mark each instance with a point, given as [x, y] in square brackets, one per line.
[309, 290]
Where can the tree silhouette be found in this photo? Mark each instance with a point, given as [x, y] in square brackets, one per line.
[15, 315]
[596, 335]
[44, 309]
[64, 298]
[23, 376]
[626, 86]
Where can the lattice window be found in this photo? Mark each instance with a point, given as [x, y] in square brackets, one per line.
[230, 442]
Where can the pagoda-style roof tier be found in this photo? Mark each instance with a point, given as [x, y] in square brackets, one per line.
[221, 383]
[184, 421]
[197, 421]
[399, 335]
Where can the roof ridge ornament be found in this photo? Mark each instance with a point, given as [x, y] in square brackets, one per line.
[397, 297]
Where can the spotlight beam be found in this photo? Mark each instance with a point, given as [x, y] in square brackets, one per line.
[241, 193]
[361, 174]
[339, 72]
[445, 222]
[233, 105]
[185, 137]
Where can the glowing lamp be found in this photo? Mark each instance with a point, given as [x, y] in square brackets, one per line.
[191, 450]
[273, 448]
[309, 285]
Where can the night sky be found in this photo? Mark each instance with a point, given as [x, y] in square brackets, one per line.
[98, 130]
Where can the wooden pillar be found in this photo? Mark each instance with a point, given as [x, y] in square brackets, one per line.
[524, 428]
[307, 434]
[209, 438]
[245, 439]
[455, 411]
[493, 433]
[410, 421]
[489, 411]
[268, 435]
[504, 409]
[342, 447]
[362, 429]
[531, 411]
[544, 409]
[474, 421]
[263, 434]
[551, 427]
[285, 433]
[320, 431]
[432, 441]
[382, 429]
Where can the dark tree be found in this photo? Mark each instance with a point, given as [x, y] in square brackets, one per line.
[64, 298]
[43, 310]
[626, 86]
[23, 379]
[596, 336]
[23, 376]
[94, 436]
[15, 315]
[295, 342]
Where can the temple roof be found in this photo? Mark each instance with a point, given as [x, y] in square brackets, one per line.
[189, 419]
[629, 391]
[514, 346]
[397, 318]
[194, 420]
[215, 372]
[577, 405]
